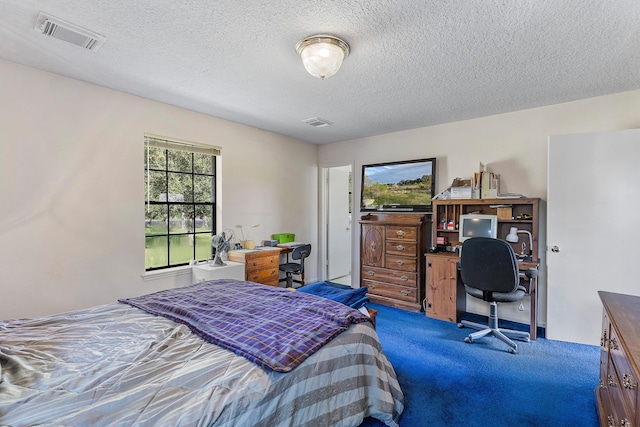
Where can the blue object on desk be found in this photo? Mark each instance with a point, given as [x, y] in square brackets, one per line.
[354, 298]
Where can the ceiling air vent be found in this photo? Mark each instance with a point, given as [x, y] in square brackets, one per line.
[62, 30]
[317, 122]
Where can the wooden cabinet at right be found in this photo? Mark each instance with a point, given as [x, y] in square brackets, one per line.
[445, 298]
[617, 394]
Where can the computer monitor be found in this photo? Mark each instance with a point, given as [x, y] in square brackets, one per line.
[477, 225]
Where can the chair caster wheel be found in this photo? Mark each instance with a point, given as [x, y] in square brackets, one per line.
[467, 339]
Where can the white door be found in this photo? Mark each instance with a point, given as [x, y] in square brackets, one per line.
[339, 223]
[593, 227]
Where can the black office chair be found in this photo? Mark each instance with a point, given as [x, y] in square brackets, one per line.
[291, 268]
[489, 271]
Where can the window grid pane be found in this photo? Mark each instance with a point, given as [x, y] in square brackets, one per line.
[156, 251]
[177, 228]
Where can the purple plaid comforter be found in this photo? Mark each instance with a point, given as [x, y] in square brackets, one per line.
[275, 328]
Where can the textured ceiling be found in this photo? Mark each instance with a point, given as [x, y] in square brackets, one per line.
[413, 63]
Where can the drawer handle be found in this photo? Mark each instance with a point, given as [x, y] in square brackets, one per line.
[603, 340]
[405, 293]
[400, 247]
[255, 278]
[371, 286]
[403, 277]
[371, 273]
[611, 421]
[400, 262]
[400, 233]
[628, 382]
[273, 272]
[614, 343]
[611, 382]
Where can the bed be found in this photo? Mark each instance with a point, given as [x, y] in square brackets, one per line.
[176, 358]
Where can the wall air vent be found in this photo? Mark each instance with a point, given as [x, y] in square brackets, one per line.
[317, 122]
[62, 30]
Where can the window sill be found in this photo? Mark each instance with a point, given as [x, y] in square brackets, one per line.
[166, 273]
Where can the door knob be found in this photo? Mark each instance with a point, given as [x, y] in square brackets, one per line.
[555, 249]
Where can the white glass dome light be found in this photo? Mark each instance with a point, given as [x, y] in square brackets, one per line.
[322, 54]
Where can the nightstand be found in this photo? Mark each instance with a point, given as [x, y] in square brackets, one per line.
[204, 272]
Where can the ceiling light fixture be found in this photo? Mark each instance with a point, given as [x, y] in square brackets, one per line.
[322, 54]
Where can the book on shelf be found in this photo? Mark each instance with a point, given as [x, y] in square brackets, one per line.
[487, 184]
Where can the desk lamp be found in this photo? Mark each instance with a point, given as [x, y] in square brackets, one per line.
[513, 238]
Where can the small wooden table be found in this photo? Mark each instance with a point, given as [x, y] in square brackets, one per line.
[261, 264]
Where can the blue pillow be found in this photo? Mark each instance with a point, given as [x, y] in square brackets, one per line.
[354, 298]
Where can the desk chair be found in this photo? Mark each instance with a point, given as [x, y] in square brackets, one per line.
[291, 268]
[489, 271]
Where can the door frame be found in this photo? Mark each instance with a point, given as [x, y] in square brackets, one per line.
[324, 217]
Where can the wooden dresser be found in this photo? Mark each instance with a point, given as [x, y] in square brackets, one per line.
[261, 265]
[617, 393]
[392, 247]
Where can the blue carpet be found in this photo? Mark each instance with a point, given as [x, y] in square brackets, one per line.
[447, 382]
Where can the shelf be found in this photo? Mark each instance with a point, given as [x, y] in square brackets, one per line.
[453, 208]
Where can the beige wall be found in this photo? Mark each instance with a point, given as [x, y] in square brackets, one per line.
[72, 188]
[513, 145]
[70, 229]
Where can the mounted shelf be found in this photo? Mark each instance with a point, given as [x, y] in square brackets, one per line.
[450, 210]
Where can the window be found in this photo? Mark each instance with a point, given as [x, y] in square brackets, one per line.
[180, 201]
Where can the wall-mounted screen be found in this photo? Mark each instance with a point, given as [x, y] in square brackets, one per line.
[477, 226]
[398, 186]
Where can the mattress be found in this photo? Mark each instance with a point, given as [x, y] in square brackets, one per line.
[117, 365]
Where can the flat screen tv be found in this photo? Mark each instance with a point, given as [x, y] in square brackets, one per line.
[398, 186]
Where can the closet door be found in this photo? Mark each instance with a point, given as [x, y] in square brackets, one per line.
[593, 228]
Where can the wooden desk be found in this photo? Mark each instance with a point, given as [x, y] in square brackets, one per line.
[285, 250]
[261, 265]
[532, 291]
[445, 295]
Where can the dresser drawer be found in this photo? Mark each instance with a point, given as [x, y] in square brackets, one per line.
[400, 248]
[604, 345]
[398, 277]
[626, 381]
[398, 232]
[271, 282]
[403, 293]
[615, 390]
[261, 263]
[401, 263]
[263, 276]
[605, 409]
